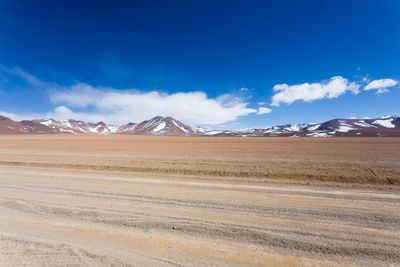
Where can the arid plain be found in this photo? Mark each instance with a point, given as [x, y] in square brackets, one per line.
[187, 201]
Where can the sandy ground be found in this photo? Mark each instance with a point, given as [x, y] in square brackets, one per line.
[153, 201]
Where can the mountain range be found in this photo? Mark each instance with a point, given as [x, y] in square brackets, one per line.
[383, 126]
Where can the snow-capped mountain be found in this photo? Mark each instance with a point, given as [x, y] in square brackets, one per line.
[383, 126]
[78, 127]
[8, 126]
[127, 128]
[158, 126]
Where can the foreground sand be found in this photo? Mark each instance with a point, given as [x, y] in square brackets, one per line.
[126, 200]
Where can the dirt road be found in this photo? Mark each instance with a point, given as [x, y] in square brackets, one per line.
[55, 211]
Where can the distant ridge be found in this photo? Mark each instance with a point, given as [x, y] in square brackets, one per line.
[384, 126]
[168, 126]
[155, 126]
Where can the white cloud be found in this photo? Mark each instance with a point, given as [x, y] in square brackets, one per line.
[332, 88]
[123, 106]
[263, 110]
[21, 117]
[84, 102]
[13, 116]
[381, 85]
[381, 91]
[261, 103]
[62, 113]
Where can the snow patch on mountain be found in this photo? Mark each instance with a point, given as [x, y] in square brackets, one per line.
[47, 123]
[180, 127]
[214, 132]
[385, 123]
[362, 123]
[313, 127]
[113, 128]
[93, 129]
[292, 128]
[317, 134]
[66, 123]
[159, 127]
[344, 127]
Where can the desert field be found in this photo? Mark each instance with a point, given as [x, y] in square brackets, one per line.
[194, 201]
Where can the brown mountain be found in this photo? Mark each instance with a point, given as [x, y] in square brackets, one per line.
[156, 126]
[79, 127]
[159, 126]
[8, 126]
[384, 126]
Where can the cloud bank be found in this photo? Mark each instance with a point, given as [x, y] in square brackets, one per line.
[85, 102]
[308, 92]
[123, 106]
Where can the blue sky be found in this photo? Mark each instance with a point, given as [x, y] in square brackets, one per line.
[204, 62]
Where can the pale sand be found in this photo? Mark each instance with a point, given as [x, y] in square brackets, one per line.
[128, 201]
